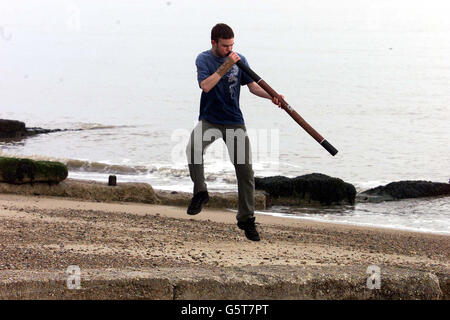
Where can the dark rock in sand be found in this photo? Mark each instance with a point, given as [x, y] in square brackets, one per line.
[112, 181]
[312, 188]
[403, 190]
[19, 171]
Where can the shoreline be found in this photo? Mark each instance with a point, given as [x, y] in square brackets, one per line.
[154, 251]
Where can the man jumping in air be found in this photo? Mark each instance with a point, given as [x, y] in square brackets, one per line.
[221, 117]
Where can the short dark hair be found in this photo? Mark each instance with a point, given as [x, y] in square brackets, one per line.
[222, 31]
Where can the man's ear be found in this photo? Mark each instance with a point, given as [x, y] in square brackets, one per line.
[213, 43]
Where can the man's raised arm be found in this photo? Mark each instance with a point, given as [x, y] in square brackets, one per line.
[213, 79]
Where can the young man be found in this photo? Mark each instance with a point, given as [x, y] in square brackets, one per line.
[220, 117]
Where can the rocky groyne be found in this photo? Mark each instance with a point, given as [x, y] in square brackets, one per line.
[20, 171]
[13, 129]
[315, 189]
[405, 190]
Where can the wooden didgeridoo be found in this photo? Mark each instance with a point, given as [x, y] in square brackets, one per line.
[305, 125]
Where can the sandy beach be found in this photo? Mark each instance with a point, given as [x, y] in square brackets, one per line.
[133, 251]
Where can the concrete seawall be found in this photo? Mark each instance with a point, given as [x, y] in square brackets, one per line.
[126, 192]
[305, 283]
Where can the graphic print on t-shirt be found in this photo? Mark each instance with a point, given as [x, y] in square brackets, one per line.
[233, 80]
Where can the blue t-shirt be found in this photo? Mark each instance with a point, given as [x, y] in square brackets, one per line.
[221, 104]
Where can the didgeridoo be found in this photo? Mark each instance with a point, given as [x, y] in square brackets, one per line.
[305, 125]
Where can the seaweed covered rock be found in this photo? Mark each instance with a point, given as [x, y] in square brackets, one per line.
[312, 188]
[405, 189]
[18, 171]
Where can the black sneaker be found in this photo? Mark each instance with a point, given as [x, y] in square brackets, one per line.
[250, 229]
[197, 201]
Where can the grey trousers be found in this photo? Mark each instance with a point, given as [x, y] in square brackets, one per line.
[239, 151]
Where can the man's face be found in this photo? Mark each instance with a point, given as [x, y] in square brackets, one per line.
[223, 47]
